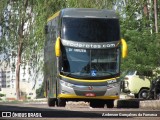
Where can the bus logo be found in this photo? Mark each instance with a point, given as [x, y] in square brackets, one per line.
[90, 87]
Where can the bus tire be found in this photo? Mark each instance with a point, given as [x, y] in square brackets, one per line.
[61, 102]
[51, 102]
[110, 103]
[143, 94]
[97, 104]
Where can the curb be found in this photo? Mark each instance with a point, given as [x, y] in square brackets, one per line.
[137, 103]
[150, 104]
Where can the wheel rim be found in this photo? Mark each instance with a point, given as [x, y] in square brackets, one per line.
[144, 95]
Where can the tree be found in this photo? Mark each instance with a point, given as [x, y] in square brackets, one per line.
[19, 33]
[20, 30]
[155, 15]
[137, 29]
[101, 4]
[40, 91]
[3, 4]
[23, 29]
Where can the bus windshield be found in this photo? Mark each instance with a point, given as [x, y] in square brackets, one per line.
[89, 63]
[90, 29]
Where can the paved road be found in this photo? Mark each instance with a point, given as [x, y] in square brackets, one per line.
[73, 111]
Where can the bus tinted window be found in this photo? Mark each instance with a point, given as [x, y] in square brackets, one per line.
[90, 29]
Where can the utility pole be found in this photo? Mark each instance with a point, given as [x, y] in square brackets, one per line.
[155, 16]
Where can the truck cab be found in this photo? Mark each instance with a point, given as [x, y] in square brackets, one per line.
[136, 83]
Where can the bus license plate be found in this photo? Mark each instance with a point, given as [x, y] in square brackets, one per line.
[90, 95]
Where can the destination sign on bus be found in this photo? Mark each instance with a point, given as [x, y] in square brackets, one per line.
[77, 50]
[88, 45]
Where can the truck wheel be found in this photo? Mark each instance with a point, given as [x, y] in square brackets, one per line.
[143, 94]
[51, 102]
[61, 102]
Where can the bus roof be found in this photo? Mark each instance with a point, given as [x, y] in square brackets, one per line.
[85, 13]
[88, 12]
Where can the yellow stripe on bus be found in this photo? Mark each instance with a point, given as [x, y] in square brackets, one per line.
[53, 16]
[72, 96]
[84, 80]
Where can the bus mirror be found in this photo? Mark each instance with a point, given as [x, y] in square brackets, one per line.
[57, 47]
[124, 48]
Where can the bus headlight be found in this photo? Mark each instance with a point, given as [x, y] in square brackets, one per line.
[66, 83]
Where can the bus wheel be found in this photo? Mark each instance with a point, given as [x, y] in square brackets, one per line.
[61, 102]
[97, 104]
[110, 103]
[143, 94]
[51, 102]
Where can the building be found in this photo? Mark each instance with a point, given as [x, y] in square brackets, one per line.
[31, 77]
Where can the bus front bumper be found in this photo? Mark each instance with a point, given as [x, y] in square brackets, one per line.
[73, 96]
[68, 90]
